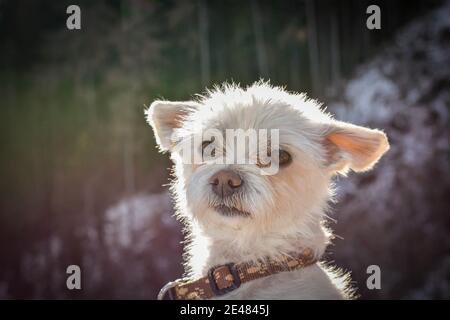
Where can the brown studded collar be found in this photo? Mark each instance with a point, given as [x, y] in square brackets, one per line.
[228, 277]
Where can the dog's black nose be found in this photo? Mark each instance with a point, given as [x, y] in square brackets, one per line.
[225, 182]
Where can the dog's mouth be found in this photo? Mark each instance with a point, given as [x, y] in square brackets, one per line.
[231, 211]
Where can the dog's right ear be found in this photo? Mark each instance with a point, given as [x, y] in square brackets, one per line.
[165, 116]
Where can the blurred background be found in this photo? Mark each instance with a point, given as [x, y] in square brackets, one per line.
[81, 181]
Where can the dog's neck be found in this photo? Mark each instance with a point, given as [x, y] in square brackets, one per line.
[216, 248]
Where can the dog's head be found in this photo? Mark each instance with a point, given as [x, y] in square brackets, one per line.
[310, 147]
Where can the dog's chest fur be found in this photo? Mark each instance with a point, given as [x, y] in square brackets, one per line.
[316, 281]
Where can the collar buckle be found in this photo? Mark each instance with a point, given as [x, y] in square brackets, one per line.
[236, 279]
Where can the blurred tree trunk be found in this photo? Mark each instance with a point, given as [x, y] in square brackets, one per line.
[203, 30]
[295, 67]
[261, 53]
[220, 40]
[313, 45]
[295, 64]
[365, 41]
[335, 47]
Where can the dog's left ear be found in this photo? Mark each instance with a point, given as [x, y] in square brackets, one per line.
[355, 147]
[165, 117]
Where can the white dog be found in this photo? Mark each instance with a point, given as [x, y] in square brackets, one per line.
[235, 214]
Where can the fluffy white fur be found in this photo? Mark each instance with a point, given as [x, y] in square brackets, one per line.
[288, 210]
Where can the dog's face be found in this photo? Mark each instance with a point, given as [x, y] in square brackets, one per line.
[311, 147]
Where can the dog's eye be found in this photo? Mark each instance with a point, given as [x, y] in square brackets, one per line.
[207, 143]
[284, 158]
